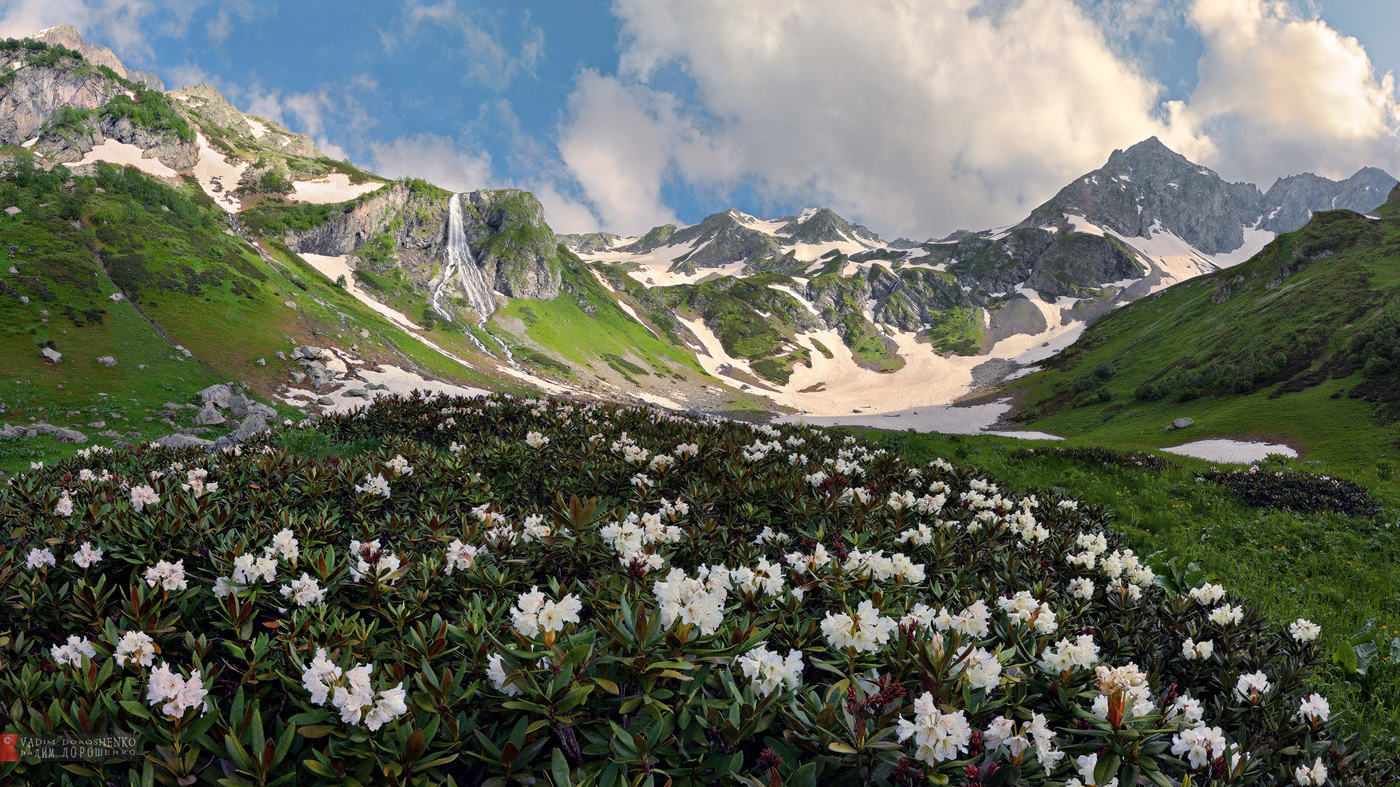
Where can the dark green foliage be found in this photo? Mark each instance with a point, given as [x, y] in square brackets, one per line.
[150, 110]
[1296, 491]
[270, 218]
[1099, 457]
[379, 250]
[273, 182]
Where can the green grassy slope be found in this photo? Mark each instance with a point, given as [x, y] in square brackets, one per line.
[182, 278]
[1296, 345]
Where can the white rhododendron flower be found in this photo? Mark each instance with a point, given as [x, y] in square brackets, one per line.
[1313, 709]
[866, 631]
[498, 676]
[982, 670]
[767, 671]
[375, 485]
[170, 576]
[305, 591]
[1081, 588]
[399, 466]
[38, 558]
[1207, 594]
[248, 569]
[385, 562]
[65, 505]
[142, 496]
[536, 440]
[72, 652]
[1226, 615]
[1304, 630]
[1313, 776]
[1087, 764]
[1081, 652]
[136, 649]
[1197, 651]
[697, 601]
[534, 612]
[1005, 736]
[938, 736]
[1250, 688]
[352, 693]
[87, 555]
[1200, 745]
[285, 545]
[1190, 710]
[461, 557]
[177, 693]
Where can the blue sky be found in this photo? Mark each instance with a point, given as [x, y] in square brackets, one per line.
[914, 117]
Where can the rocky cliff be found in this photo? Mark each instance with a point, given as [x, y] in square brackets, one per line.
[1149, 185]
[1291, 201]
[515, 248]
[30, 94]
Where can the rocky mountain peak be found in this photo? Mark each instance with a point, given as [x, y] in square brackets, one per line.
[1150, 188]
[824, 226]
[1291, 201]
[68, 36]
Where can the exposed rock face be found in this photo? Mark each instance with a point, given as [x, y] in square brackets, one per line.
[1149, 185]
[1291, 201]
[168, 149]
[209, 415]
[183, 441]
[515, 248]
[206, 103]
[29, 100]
[67, 36]
[719, 240]
[824, 226]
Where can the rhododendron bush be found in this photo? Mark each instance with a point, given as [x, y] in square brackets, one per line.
[511, 590]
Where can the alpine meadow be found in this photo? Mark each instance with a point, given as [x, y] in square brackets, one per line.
[553, 395]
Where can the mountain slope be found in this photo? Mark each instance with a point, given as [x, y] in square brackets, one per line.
[1292, 344]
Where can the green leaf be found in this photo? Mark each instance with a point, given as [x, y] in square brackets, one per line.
[1107, 768]
[1345, 658]
[840, 747]
[559, 768]
[136, 709]
[315, 730]
[1365, 654]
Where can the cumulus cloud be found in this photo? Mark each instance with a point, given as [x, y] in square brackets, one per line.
[433, 158]
[1280, 93]
[914, 117]
[921, 117]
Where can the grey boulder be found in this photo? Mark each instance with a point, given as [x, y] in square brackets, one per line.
[209, 415]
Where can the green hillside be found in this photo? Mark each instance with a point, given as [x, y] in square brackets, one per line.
[120, 265]
[1298, 345]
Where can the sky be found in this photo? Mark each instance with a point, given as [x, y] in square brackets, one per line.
[913, 117]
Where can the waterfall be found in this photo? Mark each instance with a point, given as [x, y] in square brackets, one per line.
[458, 264]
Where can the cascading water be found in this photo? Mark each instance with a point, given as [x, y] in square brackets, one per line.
[459, 265]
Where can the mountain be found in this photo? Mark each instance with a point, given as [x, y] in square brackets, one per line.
[241, 240]
[1297, 344]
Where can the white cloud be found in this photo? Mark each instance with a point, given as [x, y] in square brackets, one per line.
[921, 116]
[488, 61]
[218, 27]
[620, 150]
[913, 117]
[188, 74]
[1280, 93]
[433, 158]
